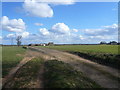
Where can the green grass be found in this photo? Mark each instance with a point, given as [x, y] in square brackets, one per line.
[61, 75]
[26, 77]
[103, 54]
[111, 49]
[10, 58]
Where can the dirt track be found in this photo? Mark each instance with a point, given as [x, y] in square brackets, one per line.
[103, 75]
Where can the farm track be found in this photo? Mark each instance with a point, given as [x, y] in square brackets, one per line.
[30, 54]
[103, 75]
[13, 71]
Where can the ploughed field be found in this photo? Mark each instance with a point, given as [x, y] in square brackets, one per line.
[104, 54]
[41, 67]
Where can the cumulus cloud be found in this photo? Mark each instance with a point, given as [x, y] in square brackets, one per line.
[106, 30]
[42, 8]
[60, 28]
[59, 33]
[100, 37]
[0, 37]
[14, 35]
[58, 2]
[81, 37]
[13, 25]
[44, 31]
[25, 34]
[11, 35]
[37, 9]
[75, 30]
[38, 24]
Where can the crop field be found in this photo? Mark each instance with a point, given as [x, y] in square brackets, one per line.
[104, 54]
[11, 56]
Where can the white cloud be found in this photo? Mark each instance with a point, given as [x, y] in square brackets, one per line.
[11, 35]
[58, 2]
[106, 30]
[44, 31]
[81, 37]
[25, 34]
[13, 25]
[75, 30]
[0, 37]
[38, 24]
[37, 9]
[60, 28]
[99, 37]
[114, 26]
[42, 8]
[14, 35]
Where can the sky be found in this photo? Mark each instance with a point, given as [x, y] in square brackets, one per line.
[62, 23]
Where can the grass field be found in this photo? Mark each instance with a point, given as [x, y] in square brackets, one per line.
[10, 58]
[56, 73]
[111, 49]
[104, 54]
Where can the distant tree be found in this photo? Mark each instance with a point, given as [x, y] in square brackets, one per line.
[113, 42]
[103, 42]
[18, 39]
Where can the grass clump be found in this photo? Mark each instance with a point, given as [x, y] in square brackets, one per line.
[61, 75]
[27, 76]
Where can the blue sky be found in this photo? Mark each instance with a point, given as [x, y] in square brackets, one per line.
[77, 22]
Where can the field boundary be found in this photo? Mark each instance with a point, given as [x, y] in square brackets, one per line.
[99, 60]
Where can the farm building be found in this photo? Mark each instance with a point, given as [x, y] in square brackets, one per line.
[44, 44]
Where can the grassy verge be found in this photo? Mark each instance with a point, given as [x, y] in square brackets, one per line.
[10, 58]
[26, 77]
[111, 60]
[62, 75]
[103, 54]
